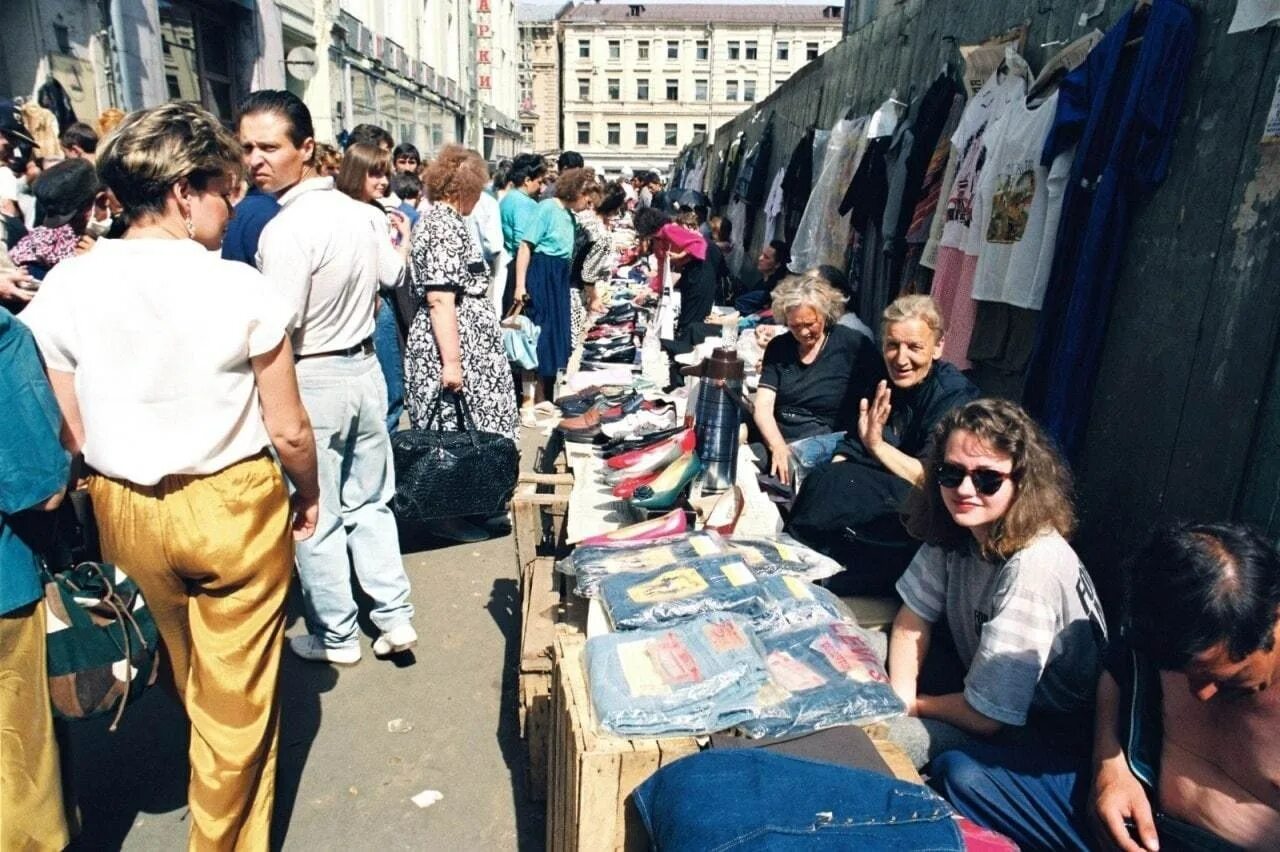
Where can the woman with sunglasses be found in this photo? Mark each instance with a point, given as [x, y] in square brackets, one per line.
[994, 510]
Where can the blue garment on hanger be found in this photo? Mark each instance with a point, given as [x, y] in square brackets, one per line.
[1120, 108]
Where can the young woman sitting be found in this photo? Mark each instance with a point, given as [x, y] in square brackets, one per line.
[994, 512]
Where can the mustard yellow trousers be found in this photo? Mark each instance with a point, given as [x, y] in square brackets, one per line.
[213, 556]
[31, 814]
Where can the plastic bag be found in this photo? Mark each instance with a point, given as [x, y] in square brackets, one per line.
[808, 454]
[823, 234]
[794, 603]
[682, 591]
[782, 554]
[694, 678]
[592, 563]
[820, 677]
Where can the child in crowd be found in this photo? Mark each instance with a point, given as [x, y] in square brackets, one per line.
[67, 192]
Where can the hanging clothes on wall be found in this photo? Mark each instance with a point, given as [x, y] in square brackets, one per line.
[824, 232]
[752, 185]
[774, 208]
[728, 172]
[797, 183]
[919, 275]
[1120, 109]
[864, 203]
[953, 275]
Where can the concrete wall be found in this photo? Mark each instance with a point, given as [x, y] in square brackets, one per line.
[1186, 415]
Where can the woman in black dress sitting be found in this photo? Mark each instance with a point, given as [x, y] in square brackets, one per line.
[850, 508]
[812, 378]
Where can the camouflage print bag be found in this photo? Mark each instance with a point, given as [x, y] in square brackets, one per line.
[103, 646]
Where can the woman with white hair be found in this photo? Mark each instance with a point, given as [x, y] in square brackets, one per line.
[812, 378]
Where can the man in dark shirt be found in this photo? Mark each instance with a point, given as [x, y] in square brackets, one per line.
[252, 214]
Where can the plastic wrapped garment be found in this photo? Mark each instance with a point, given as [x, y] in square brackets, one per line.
[823, 233]
[682, 591]
[819, 677]
[764, 555]
[793, 604]
[695, 678]
[808, 454]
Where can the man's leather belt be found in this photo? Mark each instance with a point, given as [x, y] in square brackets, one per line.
[364, 347]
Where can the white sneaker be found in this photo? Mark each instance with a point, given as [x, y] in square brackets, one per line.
[396, 640]
[312, 648]
[528, 419]
[641, 422]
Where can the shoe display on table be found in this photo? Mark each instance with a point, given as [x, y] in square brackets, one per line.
[459, 530]
[580, 403]
[619, 354]
[586, 427]
[720, 512]
[682, 442]
[658, 418]
[313, 649]
[618, 446]
[624, 489]
[665, 490]
[397, 640]
[672, 523]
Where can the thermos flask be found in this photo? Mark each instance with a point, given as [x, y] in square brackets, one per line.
[716, 418]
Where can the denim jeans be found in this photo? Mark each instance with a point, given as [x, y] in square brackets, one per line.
[386, 343]
[795, 603]
[694, 678]
[346, 399]
[592, 563]
[681, 591]
[819, 677]
[740, 799]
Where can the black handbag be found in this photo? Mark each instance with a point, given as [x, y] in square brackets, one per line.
[448, 474]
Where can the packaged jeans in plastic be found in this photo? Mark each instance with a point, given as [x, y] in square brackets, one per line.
[697, 677]
[793, 602]
[781, 554]
[591, 564]
[682, 591]
[820, 677]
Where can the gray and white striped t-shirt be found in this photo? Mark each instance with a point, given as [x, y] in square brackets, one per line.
[1030, 631]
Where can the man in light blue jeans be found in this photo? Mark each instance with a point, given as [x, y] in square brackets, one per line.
[321, 253]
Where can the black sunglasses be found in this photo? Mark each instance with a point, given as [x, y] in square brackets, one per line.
[985, 482]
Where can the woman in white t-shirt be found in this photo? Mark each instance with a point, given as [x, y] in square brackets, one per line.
[994, 510]
[175, 382]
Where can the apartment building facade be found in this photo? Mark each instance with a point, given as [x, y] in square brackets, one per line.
[638, 83]
[539, 75]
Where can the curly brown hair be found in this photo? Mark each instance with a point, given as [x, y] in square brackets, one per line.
[573, 183]
[1043, 481]
[456, 172]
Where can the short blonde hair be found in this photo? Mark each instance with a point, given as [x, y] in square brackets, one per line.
[155, 148]
[808, 291]
[923, 308]
[108, 120]
[456, 172]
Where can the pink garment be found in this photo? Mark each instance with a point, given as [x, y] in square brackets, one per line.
[681, 239]
[45, 246]
[953, 291]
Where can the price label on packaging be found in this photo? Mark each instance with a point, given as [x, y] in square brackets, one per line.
[668, 586]
[738, 574]
[791, 674]
[799, 589]
[673, 661]
[639, 670]
[724, 636]
[849, 654]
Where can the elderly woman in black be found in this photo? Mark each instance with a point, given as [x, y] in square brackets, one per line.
[813, 377]
[850, 508]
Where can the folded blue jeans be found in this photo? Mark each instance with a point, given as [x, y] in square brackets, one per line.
[694, 678]
[681, 591]
[741, 799]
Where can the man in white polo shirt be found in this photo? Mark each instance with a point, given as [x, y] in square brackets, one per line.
[320, 250]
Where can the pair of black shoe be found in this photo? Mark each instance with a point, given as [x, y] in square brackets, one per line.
[618, 446]
[622, 352]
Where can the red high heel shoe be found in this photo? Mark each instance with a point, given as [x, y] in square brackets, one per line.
[624, 489]
[685, 441]
[720, 513]
[672, 523]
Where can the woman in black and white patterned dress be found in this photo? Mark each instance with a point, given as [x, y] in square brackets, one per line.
[455, 342]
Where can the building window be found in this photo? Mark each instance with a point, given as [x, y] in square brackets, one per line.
[615, 49]
[731, 90]
[811, 50]
[584, 88]
[642, 134]
[526, 135]
[197, 58]
[748, 90]
[584, 132]
[642, 50]
[699, 90]
[584, 48]
[673, 50]
[702, 50]
[670, 135]
[615, 89]
[615, 133]
[735, 50]
[784, 51]
[753, 51]
[699, 129]
[642, 89]
[673, 90]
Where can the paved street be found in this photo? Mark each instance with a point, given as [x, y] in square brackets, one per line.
[345, 781]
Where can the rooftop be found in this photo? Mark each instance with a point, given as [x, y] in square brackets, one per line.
[535, 12]
[700, 13]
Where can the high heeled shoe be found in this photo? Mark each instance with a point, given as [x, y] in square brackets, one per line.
[672, 523]
[720, 512]
[618, 446]
[655, 456]
[664, 491]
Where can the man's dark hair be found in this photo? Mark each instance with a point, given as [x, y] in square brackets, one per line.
[287, 105]
[370, 134]
[782, 252]
[406, 185]
[569, 160]
[1193, 586]
[502, 173]
[833, 276]
[80, 135]
[526, 166]
[648, 220]
[405, 149]
[613, 200]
